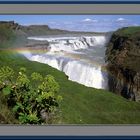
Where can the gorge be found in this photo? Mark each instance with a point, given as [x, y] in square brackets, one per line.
[89, 67]
[82, 53]
[82, 59]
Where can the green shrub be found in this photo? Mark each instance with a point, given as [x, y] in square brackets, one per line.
[33, 99]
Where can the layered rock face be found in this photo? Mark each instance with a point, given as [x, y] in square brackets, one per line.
[123, 57]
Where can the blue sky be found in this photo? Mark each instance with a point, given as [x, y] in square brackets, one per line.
[96, 23]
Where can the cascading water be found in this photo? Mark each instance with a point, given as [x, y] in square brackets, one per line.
[80, 58]
[72, 43]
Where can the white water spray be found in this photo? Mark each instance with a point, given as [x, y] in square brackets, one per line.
[77, 70]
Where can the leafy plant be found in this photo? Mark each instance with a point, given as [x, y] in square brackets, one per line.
[6, 74]
[27, 99]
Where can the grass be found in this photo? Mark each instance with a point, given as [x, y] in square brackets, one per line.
[128, 31]
[80, 105]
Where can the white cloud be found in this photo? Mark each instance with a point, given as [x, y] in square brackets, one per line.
[89, 20]
[120, 19]
[91, 24]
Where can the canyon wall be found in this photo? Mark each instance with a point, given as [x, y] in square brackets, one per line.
[123, 57]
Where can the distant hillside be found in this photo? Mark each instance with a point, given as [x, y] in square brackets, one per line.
[35, 30]
[7, 34]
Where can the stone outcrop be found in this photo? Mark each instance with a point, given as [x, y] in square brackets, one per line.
[123, 57]
[10, 24]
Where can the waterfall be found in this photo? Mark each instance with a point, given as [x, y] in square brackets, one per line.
[77, 69]
[72, 43]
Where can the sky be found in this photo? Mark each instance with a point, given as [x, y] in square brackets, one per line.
[97, 23]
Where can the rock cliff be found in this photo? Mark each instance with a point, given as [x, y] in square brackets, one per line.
[123, 57]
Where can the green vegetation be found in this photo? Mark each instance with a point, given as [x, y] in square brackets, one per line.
[7, 36]
[80, 104]
[124, 48]
[28, 97]
[128, 31]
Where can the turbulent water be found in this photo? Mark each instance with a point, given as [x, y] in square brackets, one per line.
[81, 58]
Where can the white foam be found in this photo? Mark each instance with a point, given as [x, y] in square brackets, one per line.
[75, 70]
[81, 72]
[72, 43]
